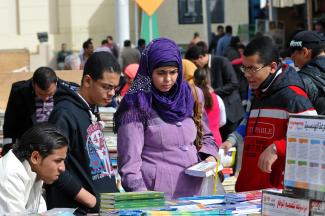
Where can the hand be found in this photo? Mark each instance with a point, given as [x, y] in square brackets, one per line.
[210, 159]
[226, 145]
[267, 158]
[86, 198]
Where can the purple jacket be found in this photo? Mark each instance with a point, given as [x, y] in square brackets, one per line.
[155, 158]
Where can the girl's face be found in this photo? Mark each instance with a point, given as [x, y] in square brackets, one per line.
[164, 78]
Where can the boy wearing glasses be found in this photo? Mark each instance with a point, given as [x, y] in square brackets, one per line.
[278, 92]
[88, 167]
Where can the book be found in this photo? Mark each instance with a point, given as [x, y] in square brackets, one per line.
[127, 204]
[203, 169]
[132, 195]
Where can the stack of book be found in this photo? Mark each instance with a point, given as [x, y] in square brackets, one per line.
[106, 115]
[243, 196]
[229, 184]
[131, 200]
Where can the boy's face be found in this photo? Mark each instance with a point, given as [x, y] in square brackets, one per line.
[102, 91]
[256, 72]
[49, 168]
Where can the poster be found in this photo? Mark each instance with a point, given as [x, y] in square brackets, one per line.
[305, 157]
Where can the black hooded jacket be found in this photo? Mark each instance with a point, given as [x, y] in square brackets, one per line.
[20, 111]
[313, 76]
[87, 164]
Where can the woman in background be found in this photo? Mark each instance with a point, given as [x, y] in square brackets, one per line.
[213, 104]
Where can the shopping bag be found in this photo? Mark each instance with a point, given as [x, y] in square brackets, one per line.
[207, 187]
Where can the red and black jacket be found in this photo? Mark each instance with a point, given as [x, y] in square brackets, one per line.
[279, 96]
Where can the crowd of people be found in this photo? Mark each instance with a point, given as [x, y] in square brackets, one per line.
[173, 111]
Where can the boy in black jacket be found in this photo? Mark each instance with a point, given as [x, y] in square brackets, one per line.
[88, 168]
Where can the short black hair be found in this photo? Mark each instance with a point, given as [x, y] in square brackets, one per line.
[228, 29]
[109, 37]
[220, 27]
[87, 43]
[43, 77]
[194, 52]
[265, 48]
[196, 34]
[104, 42]
[43, 137]
[100, 62]
[203, 45]
[234, 42]
[127, 43]
[141, 42]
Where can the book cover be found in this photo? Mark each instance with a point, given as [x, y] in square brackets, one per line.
[202, 169]
[132, 195]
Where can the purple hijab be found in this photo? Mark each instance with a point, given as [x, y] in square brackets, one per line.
[174, 106]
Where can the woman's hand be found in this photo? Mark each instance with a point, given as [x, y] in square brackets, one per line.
[210, 159]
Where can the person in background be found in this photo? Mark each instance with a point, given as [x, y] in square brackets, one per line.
[88, 166]
[155, 128]
[128, 55]
[213, 105]
[196, 38]
[224, 42]
[141, 45]
[129, 73]
[38, 156]
[188, 70]
[232, 51]
[104, 47]
[223, 80]
[320, 28]
[308, 54]
[30, 102]
[278, 92]
[88, 49]
[62, 55]
[215, 38]
[113, 46]
[72, 62]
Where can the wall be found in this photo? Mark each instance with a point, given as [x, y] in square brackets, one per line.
[74, 21]
[236, 12]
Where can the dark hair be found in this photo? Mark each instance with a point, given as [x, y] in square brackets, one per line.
[127, 43]
[234, 42]
[109, 37]
[201, 81]
[203, 45]
[43, 77]
[228, 29]
[43, 137]
[87, 43]
[141, 42]
[100, 62]
[317, 50]
[104, 42]
[220, 27]
[264, 47]
[196, 34]
[194, 52]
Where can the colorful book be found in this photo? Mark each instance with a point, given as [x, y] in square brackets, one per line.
[132, 195]
[132, 204]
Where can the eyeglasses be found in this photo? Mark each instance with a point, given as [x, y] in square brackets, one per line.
[251, 69]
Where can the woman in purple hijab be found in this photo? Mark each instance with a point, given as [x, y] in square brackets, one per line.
[156, 132]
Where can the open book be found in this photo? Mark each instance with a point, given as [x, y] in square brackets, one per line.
[203, 169]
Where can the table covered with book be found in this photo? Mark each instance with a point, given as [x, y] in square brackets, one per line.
[153, 203]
